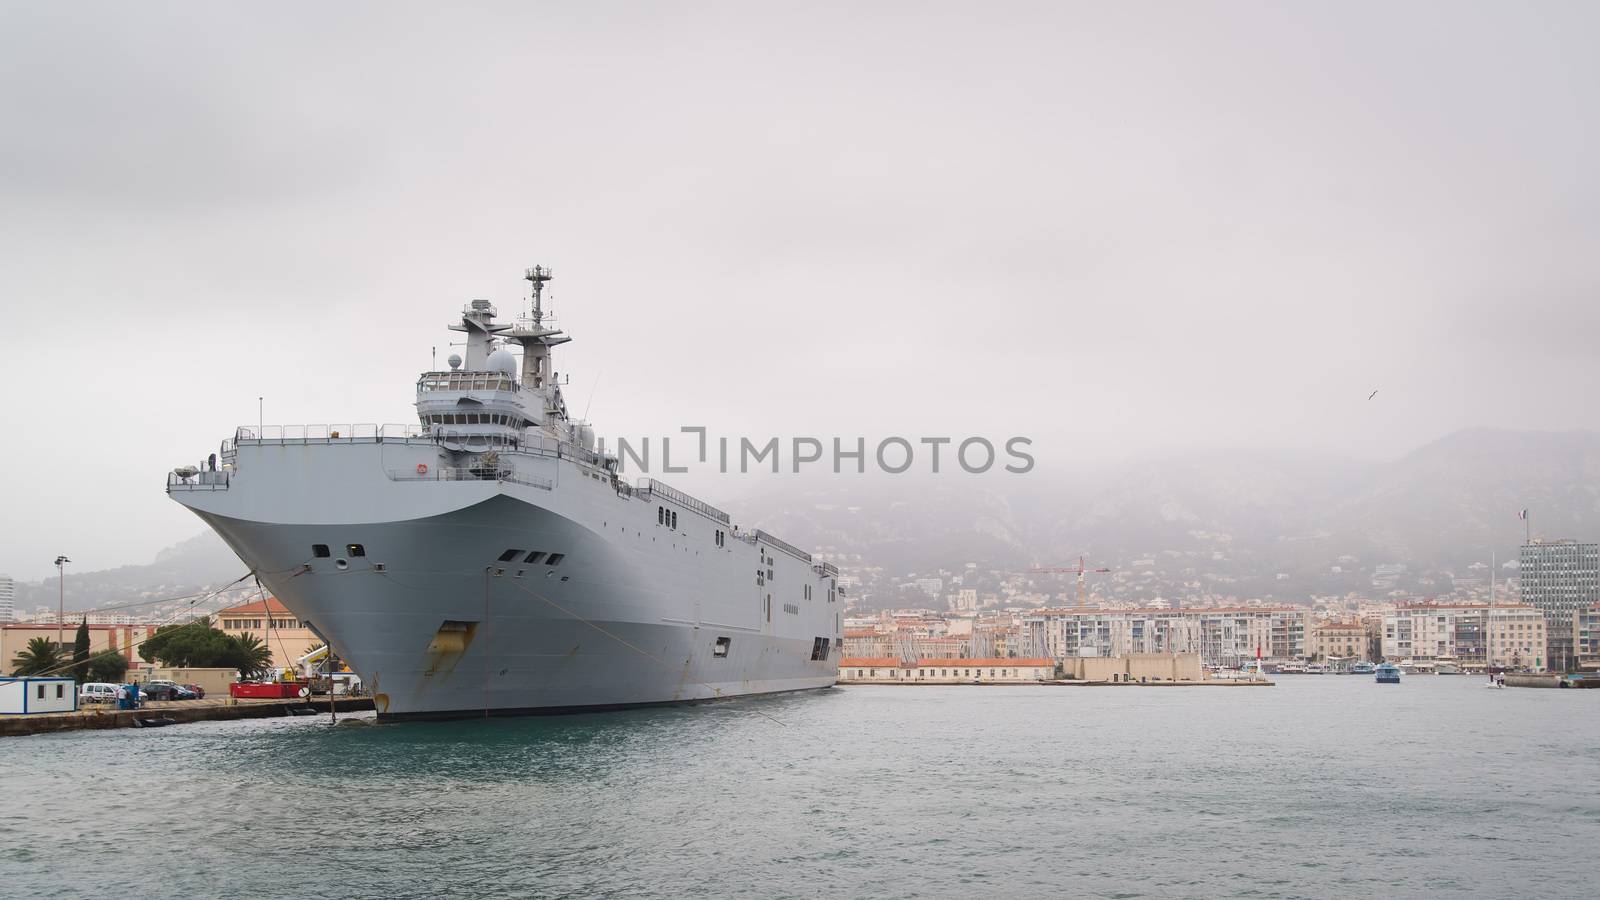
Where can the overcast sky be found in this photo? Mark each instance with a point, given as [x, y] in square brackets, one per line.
[1113, 227]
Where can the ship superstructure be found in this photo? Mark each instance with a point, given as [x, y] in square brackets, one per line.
[489, 560]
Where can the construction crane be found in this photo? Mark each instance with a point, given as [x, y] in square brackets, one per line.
[1078, 570]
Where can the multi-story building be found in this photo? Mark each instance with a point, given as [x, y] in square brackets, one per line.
[1586, 637]
[1518, 637]
[8, 599]
[1339, 640]
[1559, 578]
[288, 638]
[1472, 634]
[1221, 635]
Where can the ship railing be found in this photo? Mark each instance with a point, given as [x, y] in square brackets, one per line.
[652, 487]
[551, 448]
[534, 444]
[471, 473]
[785, 546]
[199, 481]
[350, 433]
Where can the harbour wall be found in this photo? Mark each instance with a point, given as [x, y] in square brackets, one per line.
[178, 712]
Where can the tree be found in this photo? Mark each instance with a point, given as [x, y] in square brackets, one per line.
[110, 667]
[199, 645]
[42, 655]
[194, 644]
[80, 652]
[254, 656]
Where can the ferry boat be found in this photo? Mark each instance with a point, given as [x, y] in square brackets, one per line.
[490, 560]
[1388, 673]
[1362, 668]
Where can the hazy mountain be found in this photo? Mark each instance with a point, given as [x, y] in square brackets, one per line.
[1250, 524]
[1247, 524]
[194, 565]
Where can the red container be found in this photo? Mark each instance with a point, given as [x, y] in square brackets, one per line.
[278, 690]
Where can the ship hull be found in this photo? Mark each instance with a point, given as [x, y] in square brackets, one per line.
[442, 620]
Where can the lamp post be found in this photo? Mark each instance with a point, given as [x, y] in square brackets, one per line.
[61, 594]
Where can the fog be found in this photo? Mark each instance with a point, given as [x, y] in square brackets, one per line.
[1114, 228]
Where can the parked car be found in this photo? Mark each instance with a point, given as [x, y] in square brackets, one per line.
[197, 690]
[97, 692]
[166, 690]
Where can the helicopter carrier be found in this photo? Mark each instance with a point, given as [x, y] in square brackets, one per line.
[490, 560]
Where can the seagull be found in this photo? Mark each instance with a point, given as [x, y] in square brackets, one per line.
[1371, 395]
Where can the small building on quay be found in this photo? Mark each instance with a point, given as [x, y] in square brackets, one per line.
[1135, 667]
[890, 670]
[24, 696]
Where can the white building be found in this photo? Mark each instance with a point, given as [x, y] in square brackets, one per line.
[38, 695]
[1471, 633]
[1221, 635]
[8, 599]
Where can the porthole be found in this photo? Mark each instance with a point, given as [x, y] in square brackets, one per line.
[341, 564]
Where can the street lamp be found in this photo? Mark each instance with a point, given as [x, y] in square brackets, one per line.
[61, 595]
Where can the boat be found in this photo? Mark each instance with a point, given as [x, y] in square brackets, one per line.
[1444, 666]
[491, 560]
[1362, 668]
[1315, 669]
[1388, 673]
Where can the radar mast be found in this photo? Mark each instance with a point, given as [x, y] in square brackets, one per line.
[536, 340]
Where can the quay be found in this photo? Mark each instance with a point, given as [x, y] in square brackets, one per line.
[1072, 682]
[178, 711]
[1132, 669]
[1551, 681]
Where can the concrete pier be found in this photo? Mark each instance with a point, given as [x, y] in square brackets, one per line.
[180, 711]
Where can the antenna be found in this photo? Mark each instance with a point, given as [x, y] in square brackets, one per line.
[537, 276]
[590, 403]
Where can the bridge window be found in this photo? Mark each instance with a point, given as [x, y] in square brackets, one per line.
[535, 558]
[555, 559]
[355, 550]
[509, 555]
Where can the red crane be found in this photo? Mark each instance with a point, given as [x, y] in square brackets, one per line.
[1078, 570]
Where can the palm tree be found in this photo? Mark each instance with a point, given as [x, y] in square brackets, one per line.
[40, 656]
[254, 657]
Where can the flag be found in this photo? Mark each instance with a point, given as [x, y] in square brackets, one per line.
[1522, 516]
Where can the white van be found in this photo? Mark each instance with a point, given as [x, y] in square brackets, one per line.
[97, 692]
